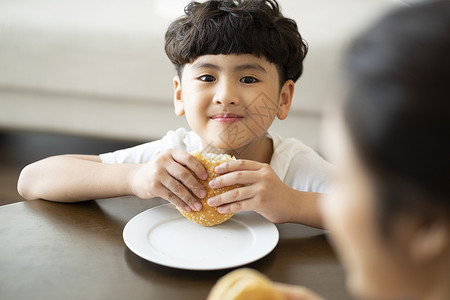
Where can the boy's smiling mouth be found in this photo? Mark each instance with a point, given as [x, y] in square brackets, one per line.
[226, 118]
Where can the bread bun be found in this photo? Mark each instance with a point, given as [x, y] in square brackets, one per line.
[244, 284]
[208, 215]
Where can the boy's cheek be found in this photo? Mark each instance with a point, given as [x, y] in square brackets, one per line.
[262, 110]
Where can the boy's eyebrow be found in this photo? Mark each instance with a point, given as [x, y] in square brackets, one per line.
[206, 65]
[201, 65]
[254, 66]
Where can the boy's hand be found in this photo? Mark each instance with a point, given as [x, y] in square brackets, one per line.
[168, 177]
[263, 192]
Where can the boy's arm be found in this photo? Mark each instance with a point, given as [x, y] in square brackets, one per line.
[303, 208]
[70, 178]
[265, 193]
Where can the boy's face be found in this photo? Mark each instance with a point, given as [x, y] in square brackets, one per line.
[231, 100]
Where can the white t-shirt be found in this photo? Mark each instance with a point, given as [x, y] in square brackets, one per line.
[296, 164]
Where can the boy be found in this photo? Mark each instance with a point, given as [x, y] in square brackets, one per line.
[236, 64]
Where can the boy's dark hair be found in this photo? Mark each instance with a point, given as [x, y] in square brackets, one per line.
[237, 27]
[398, 109]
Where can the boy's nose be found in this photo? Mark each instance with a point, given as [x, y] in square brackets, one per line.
[226, 95]
[226, 101]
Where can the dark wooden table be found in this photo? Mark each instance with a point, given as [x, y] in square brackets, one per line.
[76, 251]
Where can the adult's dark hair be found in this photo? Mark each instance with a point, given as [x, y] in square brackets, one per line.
[237, 27]
[398, 108]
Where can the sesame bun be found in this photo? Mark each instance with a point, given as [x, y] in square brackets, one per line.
[209, 216]
[244, 284]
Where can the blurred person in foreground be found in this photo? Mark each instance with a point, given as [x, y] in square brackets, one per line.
[389, 211]
[389, 215]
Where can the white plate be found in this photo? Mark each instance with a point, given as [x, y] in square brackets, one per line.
[163, 236]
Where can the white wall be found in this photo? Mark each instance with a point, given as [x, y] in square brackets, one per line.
[76, 66]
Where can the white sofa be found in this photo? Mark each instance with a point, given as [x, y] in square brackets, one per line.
[98, 67]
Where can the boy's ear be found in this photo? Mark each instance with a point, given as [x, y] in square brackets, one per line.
[177, 96]
[286, 94]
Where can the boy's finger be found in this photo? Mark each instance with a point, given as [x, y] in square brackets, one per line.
[172, 198]
[190, 162]
[236, 195]
[178, 190]
[239, 164]
[234, 207]
[237, 177]
[181, 174]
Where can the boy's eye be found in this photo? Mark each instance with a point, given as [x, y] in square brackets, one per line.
[248, 80]
[207, 78]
